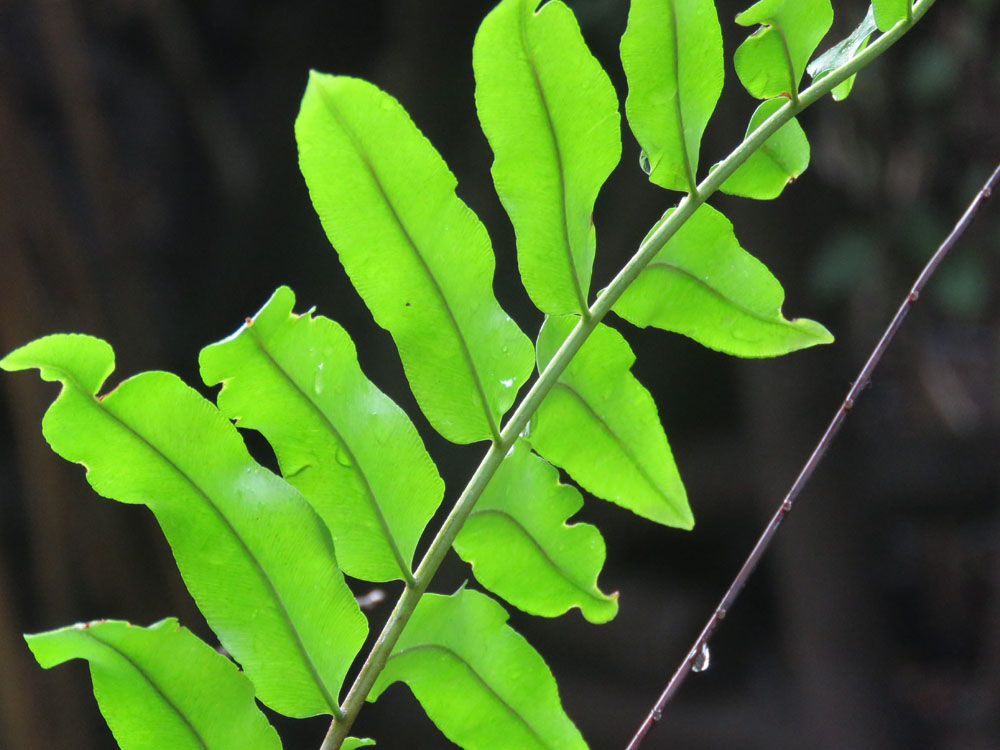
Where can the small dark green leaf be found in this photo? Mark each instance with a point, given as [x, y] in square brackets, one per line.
[551, 116]
[477, 679]
[890, 12]
[772, 60]
[777, 163]
[600, 425]
[520, 546]
[672, 55]
[255, 556]
[343, 443]
[841, 54]
[161, 687]
[419, 258]
[704, 285]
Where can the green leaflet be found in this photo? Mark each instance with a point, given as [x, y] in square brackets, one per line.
[600, 425]
[672, 55]
[551, 116]
[351, 743]
[772, 60]
[890, 12]
[477, 679]
[339, 440]
[161, 687]
[704, 285]
[418, 256]
[257, 559]
[843, 53]
[782, 158]
[520, 546]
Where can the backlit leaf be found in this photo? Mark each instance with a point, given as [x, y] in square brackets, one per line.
[600, 425]
[890, 12]
[778, 162]
[551, 116]
[343, 443]
[418, 256]
[352, 743]
[672, 55]
[772, 59]
[254, 555]
[161, 687]
[477, 679]
[704, 285]
[521, 547]
[841, 54]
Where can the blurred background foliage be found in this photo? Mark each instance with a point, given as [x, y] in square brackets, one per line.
[149, 194]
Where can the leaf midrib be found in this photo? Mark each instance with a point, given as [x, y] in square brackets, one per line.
[472, 670]
[152, 683]
[557, 151]
[618, 440]
[460, 335]
[407, 575]
[256, 565]
[560, 571]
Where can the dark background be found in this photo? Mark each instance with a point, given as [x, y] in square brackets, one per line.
[149, 194]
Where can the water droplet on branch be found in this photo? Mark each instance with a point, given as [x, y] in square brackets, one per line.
[703, 660]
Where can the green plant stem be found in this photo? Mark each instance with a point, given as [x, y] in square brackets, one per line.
[653, 243]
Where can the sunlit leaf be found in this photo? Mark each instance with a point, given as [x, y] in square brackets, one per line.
[343, 443]
[841, 54]
[255, 556]
[521, 547]
[352, 743]
[161, 687]
[477, 679]
[772, 59]
[551, 116]
[418, 256]
[704, 285]
[672, 55]
[778, 162]
[600, 425]
[890, 12]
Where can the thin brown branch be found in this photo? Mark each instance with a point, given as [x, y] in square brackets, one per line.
[696, 658]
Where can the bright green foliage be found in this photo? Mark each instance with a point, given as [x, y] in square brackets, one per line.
[551, 116]
[600, 425]
[890, 12]
[257, 559]
[704, 285]
[417, 255]
[782, 158]
[841, 54]
[478, 680]
[521, 548]
[343, 443]
[353, 744]
[161, 687]
[772, 60]
[672, 55]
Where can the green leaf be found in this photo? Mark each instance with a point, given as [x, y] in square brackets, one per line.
[479, 681]
[418, 256]
[551, 116]
[890, 12]
[772, 60]
[161, 687]
[520, 546]
[352, 743]
[255, 556]
[704, 285]
[672, 55]
[343, 443]
[777, 163]
[600, 425]
[841, 54]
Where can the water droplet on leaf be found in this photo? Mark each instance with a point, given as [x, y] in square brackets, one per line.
[344, 458]
[507, 383]
[318, 383]
[644, 162]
